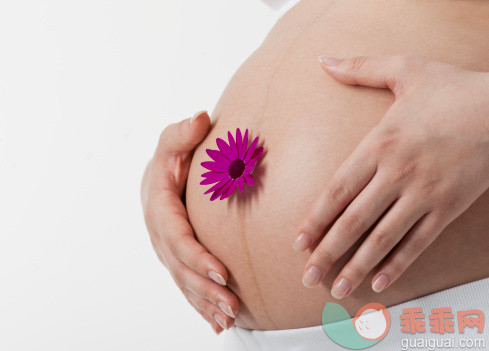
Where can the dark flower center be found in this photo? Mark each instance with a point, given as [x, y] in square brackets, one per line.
[236, 168]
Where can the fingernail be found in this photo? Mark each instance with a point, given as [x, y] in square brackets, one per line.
[328, 60]
[226, 309]
[380, 283]
[215, 330]
[221, 321]
[302, 242]
[217, 277]
[312, 277]
[197, 115]
[340, 289]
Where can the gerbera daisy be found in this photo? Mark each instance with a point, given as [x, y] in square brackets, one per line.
[232, 165]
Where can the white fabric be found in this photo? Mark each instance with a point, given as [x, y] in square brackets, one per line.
[474, 295]
[281, 6]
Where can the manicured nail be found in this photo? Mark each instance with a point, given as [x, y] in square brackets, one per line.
[340, 289]
[302, 242]
[221, 321]
[215, 330]
[328, 60]
[197, 115]
[312, 277]
[226, 309]
[217, 277]
[380, 283]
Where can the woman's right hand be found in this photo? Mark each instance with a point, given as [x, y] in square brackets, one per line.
[200, 276]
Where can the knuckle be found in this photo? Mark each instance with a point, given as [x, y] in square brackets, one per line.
[397, 267]
[351, 225]
[354, 271]
[388, 140]
[201, 256]
[437, 221]
[338, 193]
[178, 274]
[314, 225]
[419, 244]
[428, 188]
[404, 170]
[409, 61]
[453, 203]
[405, 60]
[171, 245]
[357, 63]
[381, 239]
[208, 292]
[216, 293]
[323, 258]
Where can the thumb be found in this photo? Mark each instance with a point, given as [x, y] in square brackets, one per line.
[386, 72]
[184, 136]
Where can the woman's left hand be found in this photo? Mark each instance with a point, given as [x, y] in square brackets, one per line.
[423, 165]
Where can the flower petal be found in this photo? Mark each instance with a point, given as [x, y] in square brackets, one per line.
[213, 179]
[252, 162]
[229, 190]
[248, 180]
[244, 145]
[232, 146]
[239, 142]
[218, 186]
[218, 156]
[256, 155]
[214, 166]
[249, 168]
[224, 147]
[241, 184]
[220, 190]
[211, 173]
[251, 150]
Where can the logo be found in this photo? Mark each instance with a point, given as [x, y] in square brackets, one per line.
[369, 326]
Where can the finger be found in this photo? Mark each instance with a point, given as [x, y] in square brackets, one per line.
[210, 319]
[398, 220]
[411, 246]
[184, 136]
[212, 310]
[206, 309]
[155, 243]
[170, 222]
[201, 286]
[390, 72]
[346, 183]
[360, 215]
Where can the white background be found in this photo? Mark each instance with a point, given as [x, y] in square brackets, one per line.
[85, 89]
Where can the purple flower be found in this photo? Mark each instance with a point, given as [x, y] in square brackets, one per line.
[232, 165]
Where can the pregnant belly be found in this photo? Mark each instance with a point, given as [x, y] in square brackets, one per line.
[308, 124]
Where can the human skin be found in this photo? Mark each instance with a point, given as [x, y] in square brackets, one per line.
[410, 182]
[308, 125]
[200, 276]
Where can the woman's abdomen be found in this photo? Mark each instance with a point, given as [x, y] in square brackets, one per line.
[308, 124]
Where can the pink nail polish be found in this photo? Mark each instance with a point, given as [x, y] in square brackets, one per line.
[302, 242]
[328, 60]
[221, 321]
[216, 277]
[380, 283]
[340, 289]
[197, 115]
[312, 276]
[226, 309]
